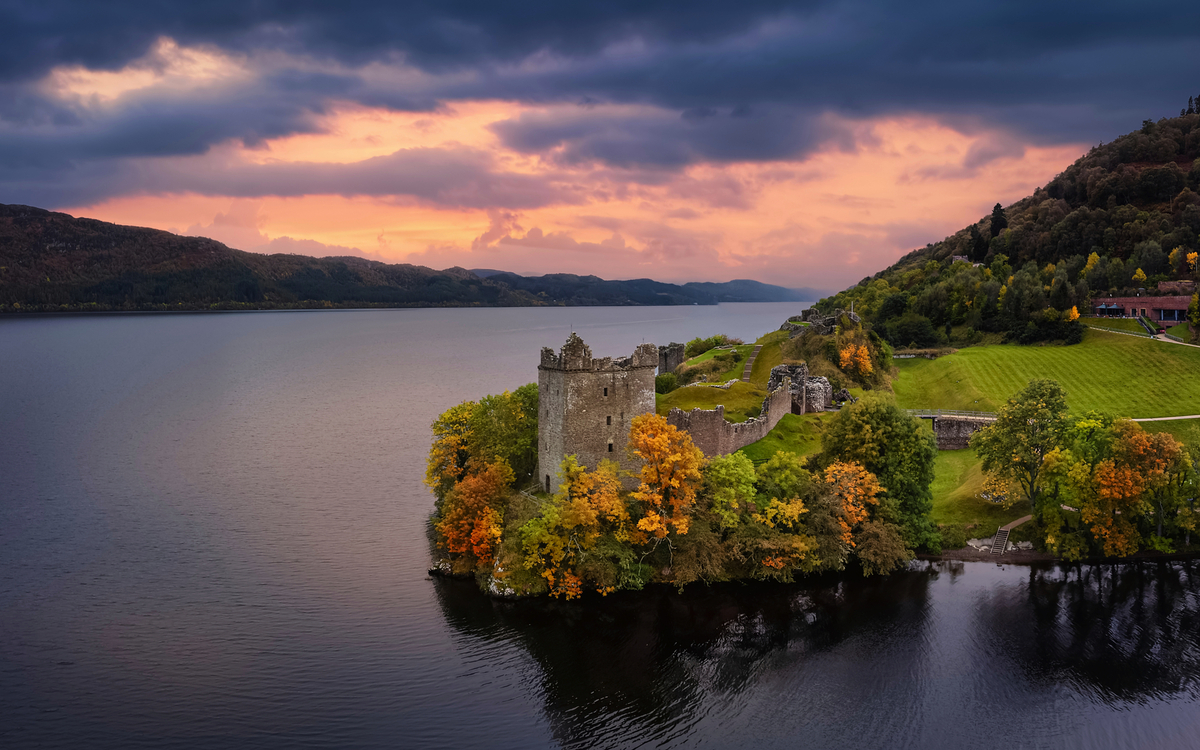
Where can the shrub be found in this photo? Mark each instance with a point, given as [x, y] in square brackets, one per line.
[665, 383]
[954, 536]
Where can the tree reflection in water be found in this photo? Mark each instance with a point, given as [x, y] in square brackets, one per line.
[649, 665]
[943, 655]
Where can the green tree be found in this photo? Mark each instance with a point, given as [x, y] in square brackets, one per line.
[893, 446]
[999, 220]
[504, 427]
[1026, 430]
[729, 482]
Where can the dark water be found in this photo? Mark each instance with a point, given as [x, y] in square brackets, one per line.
[212, 535]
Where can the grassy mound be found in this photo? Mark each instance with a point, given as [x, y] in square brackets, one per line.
[957, 480]
[741, 400]
[1122, 375]
[795, 433]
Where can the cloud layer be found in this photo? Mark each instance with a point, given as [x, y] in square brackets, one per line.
[631, 113]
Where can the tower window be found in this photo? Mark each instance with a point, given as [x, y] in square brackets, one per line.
[605, 391]
[609, 420]
[610, 447]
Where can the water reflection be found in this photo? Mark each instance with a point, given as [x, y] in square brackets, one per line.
[652, 665]
[1127, 632]
[910, 661]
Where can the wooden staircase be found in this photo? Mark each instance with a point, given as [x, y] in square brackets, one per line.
[1000, 541]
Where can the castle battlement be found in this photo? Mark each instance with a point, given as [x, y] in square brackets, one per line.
[577, 356]
[586, 404]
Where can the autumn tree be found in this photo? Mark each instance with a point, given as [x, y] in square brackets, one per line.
[558, 541]
[669, 477]
[1138, 464]
[448, 455]
[1026, 430]
[470, 523]
[894, 447]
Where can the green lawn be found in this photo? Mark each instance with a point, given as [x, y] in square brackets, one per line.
[1119, 324]
[1184, 430]
[795, 433]
[1122, 375]
[957, 479]
[741, 400]
[742, 349]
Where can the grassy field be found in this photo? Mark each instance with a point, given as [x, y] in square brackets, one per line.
[795, 433]
[1122, 375]
[957, 479]
[770, 356]
[1118, 324]
[1183, 430]
[741, 400]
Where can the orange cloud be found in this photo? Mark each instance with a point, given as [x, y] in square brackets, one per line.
[826, 220]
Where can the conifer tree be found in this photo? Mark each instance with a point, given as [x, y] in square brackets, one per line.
[999, 220]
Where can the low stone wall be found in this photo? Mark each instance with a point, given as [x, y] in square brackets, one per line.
[717, 437]
[954, 433]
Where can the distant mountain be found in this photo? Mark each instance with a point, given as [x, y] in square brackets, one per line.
[55, 262]
[593, 290]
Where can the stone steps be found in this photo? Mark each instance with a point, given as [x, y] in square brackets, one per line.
[750, 364]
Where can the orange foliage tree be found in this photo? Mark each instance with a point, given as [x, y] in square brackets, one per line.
[669, 478]
[471, 518]
[854, 488]
[1139, 461]
[856, 358]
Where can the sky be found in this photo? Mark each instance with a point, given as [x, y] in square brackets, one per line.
[808, 144]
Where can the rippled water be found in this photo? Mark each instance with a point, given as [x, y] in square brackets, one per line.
[212, 534]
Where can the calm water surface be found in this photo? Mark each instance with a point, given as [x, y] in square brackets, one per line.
[212, 534]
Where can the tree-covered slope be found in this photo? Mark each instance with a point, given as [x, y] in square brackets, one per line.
[55, 262]
[1123, 217]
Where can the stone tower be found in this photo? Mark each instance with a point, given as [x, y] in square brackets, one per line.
[585, 405]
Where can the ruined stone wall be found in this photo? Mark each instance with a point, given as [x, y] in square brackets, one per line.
[818, 394]
[585, 405]
[954, 433]
[717, 437]
[670, 357]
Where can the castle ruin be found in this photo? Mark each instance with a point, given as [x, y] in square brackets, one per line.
[586, 404]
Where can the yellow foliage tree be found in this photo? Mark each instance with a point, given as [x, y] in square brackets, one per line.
[587, 503]
[1139, 276]
[669, 478]
[1072, 314]
[448, 455]
[855, 358]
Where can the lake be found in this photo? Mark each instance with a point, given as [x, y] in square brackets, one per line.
[213, 534]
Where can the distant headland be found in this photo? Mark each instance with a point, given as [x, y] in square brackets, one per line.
[52, 262]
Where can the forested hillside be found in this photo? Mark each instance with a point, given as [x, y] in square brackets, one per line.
[55, 262]
[1122, 218]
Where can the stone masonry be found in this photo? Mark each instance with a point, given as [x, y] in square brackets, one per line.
[809, 394]
[670, 357]
[585, 405]
[717, 437]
